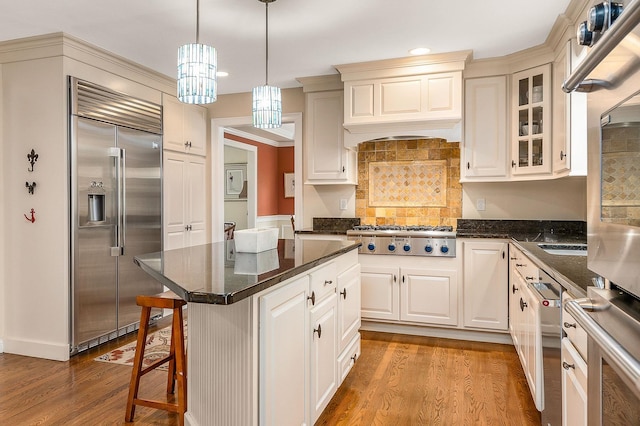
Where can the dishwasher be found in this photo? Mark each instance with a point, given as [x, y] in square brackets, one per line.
[549, 294]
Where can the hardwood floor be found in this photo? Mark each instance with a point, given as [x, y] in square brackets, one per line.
[413, 380]
[398, 380]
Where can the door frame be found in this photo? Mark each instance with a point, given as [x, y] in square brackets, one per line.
[217, 167]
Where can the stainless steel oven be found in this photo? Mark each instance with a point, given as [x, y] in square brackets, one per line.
[611, 316]
[611, 319]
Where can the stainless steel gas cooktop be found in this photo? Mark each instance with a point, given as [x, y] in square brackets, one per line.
[419, 240]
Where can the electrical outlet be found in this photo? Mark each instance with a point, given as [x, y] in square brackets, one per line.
[481, 204]
[343, 203]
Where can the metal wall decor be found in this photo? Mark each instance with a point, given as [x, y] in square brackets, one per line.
[31, 219]
[30, 187]
[32, 157]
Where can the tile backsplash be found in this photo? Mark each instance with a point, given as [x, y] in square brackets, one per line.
[412, 182]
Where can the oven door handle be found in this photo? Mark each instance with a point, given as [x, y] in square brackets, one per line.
[616, 354]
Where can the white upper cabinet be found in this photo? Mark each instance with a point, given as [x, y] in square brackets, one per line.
[569, 115]
[412, 98]
[184, 126]
[484, 150]
[531, 121]
[328, 161]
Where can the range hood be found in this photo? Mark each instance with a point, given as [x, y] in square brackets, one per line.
[416, 97]
[450, 130]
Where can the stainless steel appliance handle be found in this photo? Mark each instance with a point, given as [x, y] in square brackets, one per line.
[615, 353]
[123, 200]
[609, 40]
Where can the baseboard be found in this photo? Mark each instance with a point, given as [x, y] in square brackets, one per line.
[1, 346]
[55, 352]
[444, 333]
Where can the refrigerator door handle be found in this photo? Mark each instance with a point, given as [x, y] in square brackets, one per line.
[118, 155]
[123, 199]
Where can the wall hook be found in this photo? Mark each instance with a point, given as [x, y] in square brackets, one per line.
[32, 157]
[30, 187]
[33, 216]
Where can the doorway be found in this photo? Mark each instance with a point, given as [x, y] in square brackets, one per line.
[242, 126]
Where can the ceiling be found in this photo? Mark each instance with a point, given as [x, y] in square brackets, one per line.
[306, 38]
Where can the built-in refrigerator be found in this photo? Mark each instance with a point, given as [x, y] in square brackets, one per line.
[116, 190]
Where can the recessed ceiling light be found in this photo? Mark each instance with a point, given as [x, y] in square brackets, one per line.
[222, 74]
[419, 51]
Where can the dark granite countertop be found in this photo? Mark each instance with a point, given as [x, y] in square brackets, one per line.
[321, 231]
[570, 271]
[216, 274]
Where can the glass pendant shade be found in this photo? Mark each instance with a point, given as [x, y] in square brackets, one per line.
[197, 66]
[267, 107]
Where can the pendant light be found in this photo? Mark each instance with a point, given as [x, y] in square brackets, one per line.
[267, 101]
[197, 65]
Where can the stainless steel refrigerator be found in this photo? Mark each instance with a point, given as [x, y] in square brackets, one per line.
[116, 190]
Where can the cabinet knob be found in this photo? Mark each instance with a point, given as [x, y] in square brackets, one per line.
[567, 366]
[318, 330]
[520, 265]
[354, 358]
[344, 293]
[523, 304]
[327, 282]
[343, 169]
[529, 278]
[514, 288]
[562, 155]
[468, 165]
[569, 325]
[312, 298]
[513, 163]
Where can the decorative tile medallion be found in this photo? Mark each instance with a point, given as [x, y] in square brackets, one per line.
[408, 183]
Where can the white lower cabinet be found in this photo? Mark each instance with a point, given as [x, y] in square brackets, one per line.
[429, 296]
[574, 370]
[309, 341]
[574, 386]
[419, 289]
[323, 354]
[284, 355]
[485, 285]
[525, 323]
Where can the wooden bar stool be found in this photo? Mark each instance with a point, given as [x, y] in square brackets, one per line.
[176, 358]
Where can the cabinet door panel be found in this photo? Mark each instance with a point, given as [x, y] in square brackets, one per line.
[349, 301]
[284, 360]
[574, 386]
[485, 128]
[324, 355]
[485, 285]
[429, 296]
[380, 293]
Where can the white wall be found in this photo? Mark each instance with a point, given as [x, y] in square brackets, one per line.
[558, 199]
[35, 280]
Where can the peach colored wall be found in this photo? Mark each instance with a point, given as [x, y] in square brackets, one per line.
[271, 162]
[285, 165]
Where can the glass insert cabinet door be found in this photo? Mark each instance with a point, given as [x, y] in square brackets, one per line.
[531, 121]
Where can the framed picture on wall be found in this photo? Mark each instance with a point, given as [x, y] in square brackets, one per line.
[289, 185]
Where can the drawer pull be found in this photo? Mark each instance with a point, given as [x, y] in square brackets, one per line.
[344, 293]
[327, 282]
[514, 288]
[354, 358]
[520, 265]
[568, 325]
[523, 304]
[312, 298]
[529, 278]
[318, 330]
[567, 366]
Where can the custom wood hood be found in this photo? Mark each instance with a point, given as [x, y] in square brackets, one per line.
[417, 96]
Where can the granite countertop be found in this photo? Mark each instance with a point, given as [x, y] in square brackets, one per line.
[216, 274]
[570, 271]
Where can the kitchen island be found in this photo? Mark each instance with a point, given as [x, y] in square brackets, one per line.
[254, 340]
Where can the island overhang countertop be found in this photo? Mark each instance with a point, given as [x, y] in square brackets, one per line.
[216, 274]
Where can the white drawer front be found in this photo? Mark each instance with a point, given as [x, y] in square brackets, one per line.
[323, 281]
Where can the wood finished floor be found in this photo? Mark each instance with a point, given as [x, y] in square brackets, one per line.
[398, 380]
